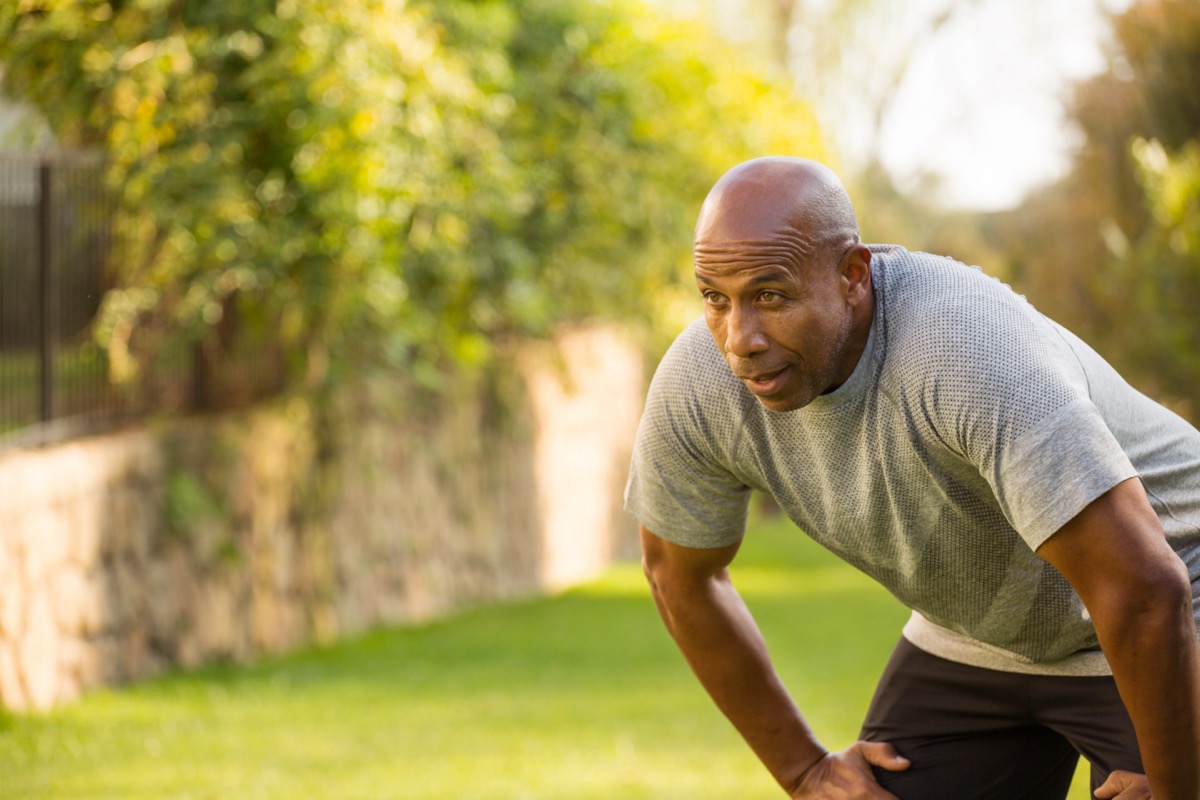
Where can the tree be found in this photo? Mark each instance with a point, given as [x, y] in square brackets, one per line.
[396, 182]
[1107, 250]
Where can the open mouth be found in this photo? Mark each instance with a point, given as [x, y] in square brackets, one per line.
[764, 382]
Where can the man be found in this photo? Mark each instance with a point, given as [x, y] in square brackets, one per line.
[925, 423]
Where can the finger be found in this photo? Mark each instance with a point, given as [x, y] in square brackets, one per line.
[1118, 781]
[1130, 792]
[843, 775]
[882, 754]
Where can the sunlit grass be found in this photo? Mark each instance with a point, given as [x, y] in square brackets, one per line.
[580, 696]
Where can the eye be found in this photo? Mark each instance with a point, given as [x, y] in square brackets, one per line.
[710, 296]
[769, 296]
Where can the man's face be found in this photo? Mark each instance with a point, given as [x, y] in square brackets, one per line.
[783, 327]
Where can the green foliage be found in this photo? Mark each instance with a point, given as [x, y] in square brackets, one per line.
[1110, 252]
[1161, 270]
[190, 503]
[408, 180]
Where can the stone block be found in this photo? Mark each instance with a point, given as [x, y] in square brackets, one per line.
[134, 659]
[44, 541]
[206, 539]
[216, 619]
[108, 615]
[139, 457]
[162, 599]
[86, 662]
[38, 654]
[26, 479]
[130, 594]
[86, 543]
[284, 556]
[266, 622]
[72, 652]
[78, 468]
[293, 630]
[145, 521]
[12, 599]
[12, 693]
[189, 649]
[121, 521]
[107, 651]
[73, 599]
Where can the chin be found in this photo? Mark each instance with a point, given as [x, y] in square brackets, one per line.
[783, 404]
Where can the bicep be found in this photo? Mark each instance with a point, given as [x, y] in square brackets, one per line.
[663, 559]
[1114, 545]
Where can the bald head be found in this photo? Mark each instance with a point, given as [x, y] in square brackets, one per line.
[792, 205]
[786, 283]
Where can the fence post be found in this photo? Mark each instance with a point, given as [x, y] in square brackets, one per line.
[46, 291]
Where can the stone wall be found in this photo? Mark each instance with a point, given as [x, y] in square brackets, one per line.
[224, 538]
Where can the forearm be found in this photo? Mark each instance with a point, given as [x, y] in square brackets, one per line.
[721, 642]
[1156, 663]
[1139, 595]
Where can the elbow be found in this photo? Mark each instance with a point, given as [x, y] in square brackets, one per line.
[653, 566]
[654, 557]
[648, 571]
[1179, 583]
[1155, 602]
[1166, 589]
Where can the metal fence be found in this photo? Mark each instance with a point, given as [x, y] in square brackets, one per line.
[56, 256]
[55, 238]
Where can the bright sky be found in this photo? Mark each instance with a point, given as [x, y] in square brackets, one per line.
[981, 105]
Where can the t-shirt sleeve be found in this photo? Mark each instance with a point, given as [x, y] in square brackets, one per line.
[1012, 398]
[1058, 467]
[680, 487]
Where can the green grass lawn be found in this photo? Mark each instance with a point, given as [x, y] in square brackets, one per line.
[580, 696]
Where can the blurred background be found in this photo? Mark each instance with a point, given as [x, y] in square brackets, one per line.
[413, 185]
[316, 317]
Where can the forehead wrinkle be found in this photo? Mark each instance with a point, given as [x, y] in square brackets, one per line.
[790, 249]
[778, 258]
[767, 272]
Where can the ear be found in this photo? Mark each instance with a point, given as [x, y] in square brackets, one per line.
[856, 273]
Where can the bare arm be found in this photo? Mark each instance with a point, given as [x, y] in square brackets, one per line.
[1139, 595]
[720, 640]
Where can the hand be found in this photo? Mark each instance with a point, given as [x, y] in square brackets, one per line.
[847, 775]
[1123, 785]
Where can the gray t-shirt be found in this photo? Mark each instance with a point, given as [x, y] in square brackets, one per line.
[970, 431]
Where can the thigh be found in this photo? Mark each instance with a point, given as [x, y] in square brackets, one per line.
[967, 731]
[922, 695]
[1089, 713]
[1031, 763]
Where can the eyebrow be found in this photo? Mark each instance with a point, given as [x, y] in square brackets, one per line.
[774, 275]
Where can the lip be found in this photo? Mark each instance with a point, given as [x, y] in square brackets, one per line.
[764, 383]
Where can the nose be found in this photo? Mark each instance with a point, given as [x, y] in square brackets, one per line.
[744, 336]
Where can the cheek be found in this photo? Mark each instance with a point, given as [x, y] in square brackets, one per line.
[798, 332]
[716, 328]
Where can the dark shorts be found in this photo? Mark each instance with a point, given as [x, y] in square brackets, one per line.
[976, 734]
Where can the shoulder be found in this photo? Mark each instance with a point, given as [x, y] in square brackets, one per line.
[682, 481]
[920, 288]
[968, 354]
[941, 315]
